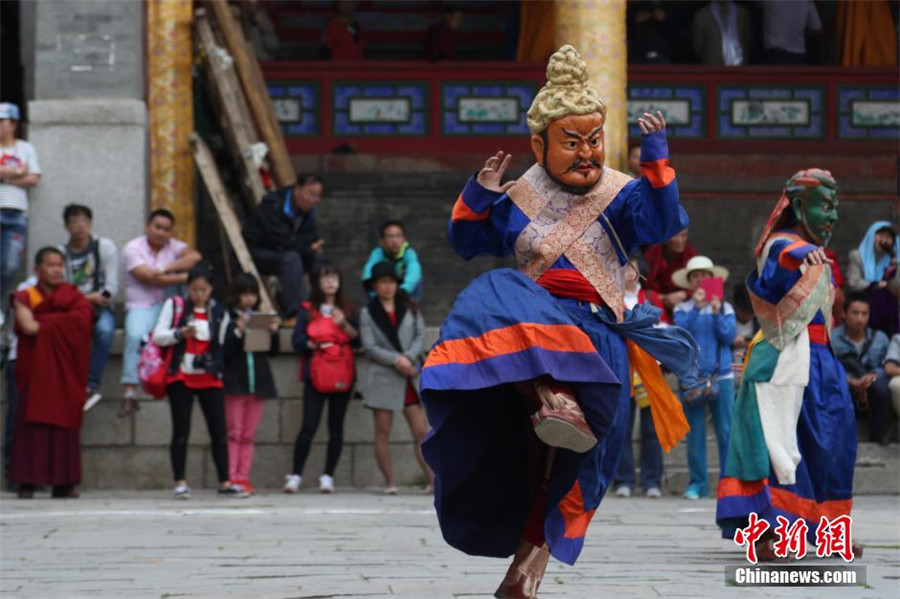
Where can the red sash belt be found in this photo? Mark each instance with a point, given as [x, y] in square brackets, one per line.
[569, 284]
[818, 334]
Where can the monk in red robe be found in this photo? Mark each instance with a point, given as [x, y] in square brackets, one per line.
[54, 325]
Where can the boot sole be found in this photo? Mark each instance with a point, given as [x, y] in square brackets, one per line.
[558, 433]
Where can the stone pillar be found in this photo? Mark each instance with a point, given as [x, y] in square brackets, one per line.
[596, 28]
[92, 152]
[171, 111]
[87, 116]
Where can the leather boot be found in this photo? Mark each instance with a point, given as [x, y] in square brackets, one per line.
[525, 573]
[564, 427]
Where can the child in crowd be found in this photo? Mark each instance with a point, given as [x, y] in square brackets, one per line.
[197, 369]
[325, 330]
[651, 451]
[248, 380]
[712, 323]
[395, 251]
[393, 334]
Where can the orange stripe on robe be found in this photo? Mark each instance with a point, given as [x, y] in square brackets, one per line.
[572, 509]
[808, 508]
[509, 340]
[658, 172]
[730, 487]
[785, 500]
[785, 260]
[461, 211]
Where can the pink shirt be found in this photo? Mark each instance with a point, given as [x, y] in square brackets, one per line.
[138, 252]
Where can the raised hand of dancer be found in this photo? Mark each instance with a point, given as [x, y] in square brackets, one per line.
[816, 257]
[491, 175]
[651, 123]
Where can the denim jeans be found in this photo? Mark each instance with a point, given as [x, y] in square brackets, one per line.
[104, 329]
[138, 324]
[291, 269]
[651, 454]
[13, 231]
[696, 440]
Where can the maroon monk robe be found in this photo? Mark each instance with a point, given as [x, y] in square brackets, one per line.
[662, 264]
[51, 373]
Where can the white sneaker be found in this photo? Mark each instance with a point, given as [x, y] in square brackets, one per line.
[92, 400]
[623, 491]
[653, 493]
[182, 492]
[326, 484]
[292, 483]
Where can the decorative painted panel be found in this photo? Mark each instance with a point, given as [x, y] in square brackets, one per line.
[768, 112]
[486, 108]
[681, 105]
[297, 106]
[380, 108]
[871, 112]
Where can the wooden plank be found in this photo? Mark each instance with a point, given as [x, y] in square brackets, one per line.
[228, 219]
[234, 115]
[255, 91]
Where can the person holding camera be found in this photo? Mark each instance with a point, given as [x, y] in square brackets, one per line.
[195, 329]
[92, 266]
[712, 323]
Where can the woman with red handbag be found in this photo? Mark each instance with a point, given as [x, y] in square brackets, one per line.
[393, 334]
[323, 335]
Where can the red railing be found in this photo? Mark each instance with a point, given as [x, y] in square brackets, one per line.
[824, 85]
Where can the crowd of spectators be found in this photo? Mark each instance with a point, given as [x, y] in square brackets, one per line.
[169, 305]
[168, 300]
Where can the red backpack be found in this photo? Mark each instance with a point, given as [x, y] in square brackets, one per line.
[331, 368]
[153, 367]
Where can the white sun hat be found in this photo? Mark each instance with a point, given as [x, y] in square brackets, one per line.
[680, 277]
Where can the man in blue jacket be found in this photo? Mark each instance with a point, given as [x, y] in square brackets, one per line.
[284, 240]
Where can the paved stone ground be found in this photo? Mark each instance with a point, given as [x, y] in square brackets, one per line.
[139, 545]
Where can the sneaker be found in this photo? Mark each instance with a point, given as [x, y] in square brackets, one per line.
[93, 397]
[182, 492]
[292, 483]
[326, 484]
[623, 491]
[246, 486]
[691, 494]
[653, 493]
[235, 491]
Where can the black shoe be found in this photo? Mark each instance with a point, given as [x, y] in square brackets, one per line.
[234, 491]
[25, 492]
[65, 492]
